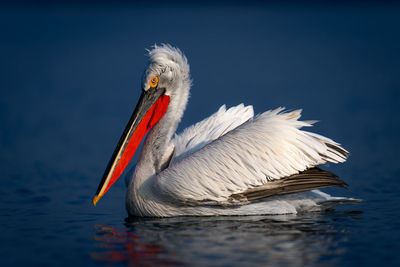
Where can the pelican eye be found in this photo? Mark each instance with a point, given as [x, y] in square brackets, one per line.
[154, 81]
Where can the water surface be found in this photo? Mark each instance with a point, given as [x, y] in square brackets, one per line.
[70, 77]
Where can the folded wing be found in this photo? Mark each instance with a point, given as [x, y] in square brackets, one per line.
[244, 163]
[197, 136]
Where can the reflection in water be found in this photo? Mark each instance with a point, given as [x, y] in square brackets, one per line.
[294, 240]
[122, 246]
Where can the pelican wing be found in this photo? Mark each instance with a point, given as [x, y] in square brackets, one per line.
[197, 136]
[265, 152]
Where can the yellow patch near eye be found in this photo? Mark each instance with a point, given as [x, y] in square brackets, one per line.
[154, 81]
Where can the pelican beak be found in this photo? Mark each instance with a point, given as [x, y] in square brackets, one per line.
[152, 105]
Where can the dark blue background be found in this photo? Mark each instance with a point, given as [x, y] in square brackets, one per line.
[70, 77]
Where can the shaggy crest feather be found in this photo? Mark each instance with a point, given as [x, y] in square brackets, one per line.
[165, 57]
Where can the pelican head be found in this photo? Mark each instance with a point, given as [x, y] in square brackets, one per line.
[165, 90]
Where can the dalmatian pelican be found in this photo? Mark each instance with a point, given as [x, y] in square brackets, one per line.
[231, 163]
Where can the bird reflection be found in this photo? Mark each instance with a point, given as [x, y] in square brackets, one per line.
[119, 245]
[268, 240]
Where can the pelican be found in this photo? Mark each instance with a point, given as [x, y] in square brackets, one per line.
[231, 163]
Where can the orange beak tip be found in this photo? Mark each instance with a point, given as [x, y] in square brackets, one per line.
[95, 199]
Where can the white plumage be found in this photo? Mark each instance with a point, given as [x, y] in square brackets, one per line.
[265, 148]
[229, 163]
[209, 129]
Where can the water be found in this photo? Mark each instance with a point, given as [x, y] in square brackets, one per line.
[70, 78]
